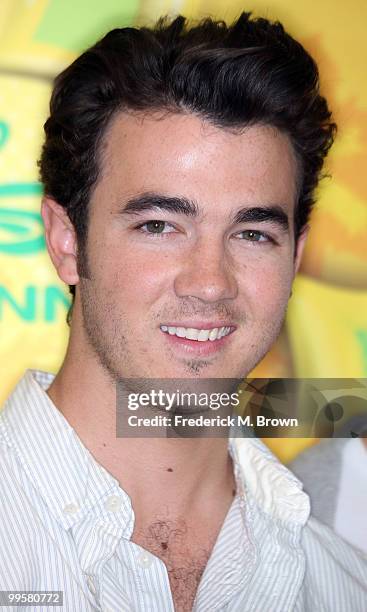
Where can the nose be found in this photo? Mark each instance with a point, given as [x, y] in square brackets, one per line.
[206, 273]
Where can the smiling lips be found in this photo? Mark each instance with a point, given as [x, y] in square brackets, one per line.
[200, 335]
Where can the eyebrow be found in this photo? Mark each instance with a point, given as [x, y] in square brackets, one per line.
[275, 214]
[153, 201]
[184, 206]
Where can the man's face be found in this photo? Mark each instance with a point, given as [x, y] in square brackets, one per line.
[190, 231]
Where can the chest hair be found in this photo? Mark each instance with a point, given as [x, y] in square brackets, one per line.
[184, 552]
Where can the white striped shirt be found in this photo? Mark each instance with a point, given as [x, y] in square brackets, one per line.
[65, 525]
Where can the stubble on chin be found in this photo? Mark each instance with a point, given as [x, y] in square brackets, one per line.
[194, 367]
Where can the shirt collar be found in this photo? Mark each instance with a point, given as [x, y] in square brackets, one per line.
[71, 481]
[275, 489]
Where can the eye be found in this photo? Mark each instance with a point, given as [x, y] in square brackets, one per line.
[255, 236]
[156, 227]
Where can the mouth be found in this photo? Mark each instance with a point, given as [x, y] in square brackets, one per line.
[203, 339]
[198, 334]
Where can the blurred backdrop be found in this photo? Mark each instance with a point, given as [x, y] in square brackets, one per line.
[325, 334]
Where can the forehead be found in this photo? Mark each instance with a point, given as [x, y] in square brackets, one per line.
[184, 154]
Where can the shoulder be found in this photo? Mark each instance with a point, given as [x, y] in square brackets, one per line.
[17, 532]
[336, 572]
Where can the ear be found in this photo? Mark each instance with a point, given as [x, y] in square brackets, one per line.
[61, 240]
[300, 247]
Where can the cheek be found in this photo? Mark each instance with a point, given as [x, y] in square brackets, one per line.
[137, 278]
[267, 289]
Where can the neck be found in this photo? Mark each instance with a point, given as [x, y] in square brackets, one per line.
[179, 474]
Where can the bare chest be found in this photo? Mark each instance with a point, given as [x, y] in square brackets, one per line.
[184, 556]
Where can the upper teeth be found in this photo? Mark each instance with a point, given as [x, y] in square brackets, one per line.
[202, 335]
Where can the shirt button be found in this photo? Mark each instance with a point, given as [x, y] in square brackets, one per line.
[71, 508]
[113, 503]
[91, 585]
[145, 560]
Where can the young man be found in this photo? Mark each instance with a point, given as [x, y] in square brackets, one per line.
[179, 168]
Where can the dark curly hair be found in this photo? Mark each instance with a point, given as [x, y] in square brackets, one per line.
[232, 76]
